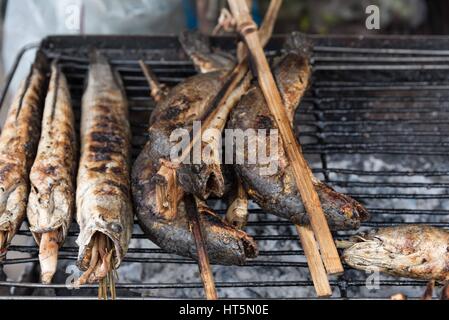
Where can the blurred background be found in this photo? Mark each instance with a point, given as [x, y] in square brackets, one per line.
[27, 21]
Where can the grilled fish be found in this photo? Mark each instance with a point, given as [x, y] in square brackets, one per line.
[103, 201]
[184, 104]
[189, 103]
[18, 144]
[51, 202]
[276, 191]
[413, 251]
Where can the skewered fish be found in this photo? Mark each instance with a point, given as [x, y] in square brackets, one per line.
[104, 207]
[276, 191]
[414, 251]
[184, 104]
[18, 143]
[51, 202]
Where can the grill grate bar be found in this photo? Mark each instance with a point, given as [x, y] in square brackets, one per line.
[389, 51]
[249, 284]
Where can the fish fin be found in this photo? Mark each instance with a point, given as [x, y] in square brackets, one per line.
[198, 48]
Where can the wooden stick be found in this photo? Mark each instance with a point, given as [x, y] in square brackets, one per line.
[237, 213]
[168, 193]
[203, 258]
[316, 266]
[92, 263]
[48, 255]
[157, 90]
[236, 76]
[445, 292]
[428, 293]
[309, 196]
[265, 30]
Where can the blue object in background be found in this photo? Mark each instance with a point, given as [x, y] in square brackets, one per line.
[255, 12]
[190, 13]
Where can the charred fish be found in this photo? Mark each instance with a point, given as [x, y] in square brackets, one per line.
[18, 144]
[103, 199]
[412, 251]
[51, 203]
[184, 104]
[276, 192]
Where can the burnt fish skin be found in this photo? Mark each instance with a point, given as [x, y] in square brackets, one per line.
[51, 203]
[103, 199]
[201, 178]
[275, 191]
[184, 104]
[412, 251]
[18, 144]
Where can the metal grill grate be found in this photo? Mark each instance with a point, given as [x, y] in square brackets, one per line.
[374, 125]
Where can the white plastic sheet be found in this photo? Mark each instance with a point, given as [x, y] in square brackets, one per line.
[28, 21]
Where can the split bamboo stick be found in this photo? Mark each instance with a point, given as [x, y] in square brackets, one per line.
[203, 258]
[316, 266]
[309, 196]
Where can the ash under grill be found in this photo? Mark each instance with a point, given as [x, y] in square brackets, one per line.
[374, 125]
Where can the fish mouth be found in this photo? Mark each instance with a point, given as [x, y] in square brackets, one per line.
[368, 255]
[249, 247]
[353, 213]
[202, 181]
[342, 211]
[214, 182]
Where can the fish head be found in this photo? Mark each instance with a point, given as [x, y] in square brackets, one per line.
[342, 211]
[370, 255]
[381, 250]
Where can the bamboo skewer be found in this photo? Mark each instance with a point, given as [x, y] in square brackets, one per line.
[157, 90]
[167, 193]
[428, 293]
[314, 262]
[203, 258]
[445, 292]
[236, 78]
[237, 212]
[101, 267]
[309, 196]
[48, 255]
